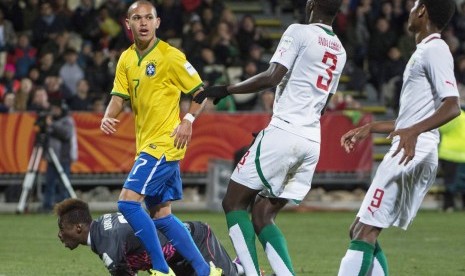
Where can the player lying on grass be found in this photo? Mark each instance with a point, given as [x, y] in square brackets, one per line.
[112, 238]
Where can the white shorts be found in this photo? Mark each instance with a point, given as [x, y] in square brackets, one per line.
[279, 163]
[396, 192]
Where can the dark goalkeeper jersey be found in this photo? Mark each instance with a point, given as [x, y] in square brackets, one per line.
[113, 239]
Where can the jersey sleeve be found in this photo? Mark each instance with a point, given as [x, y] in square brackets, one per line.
[183, 74]
[120, 84]
[114, 255]
[288, 47]
[439, 66]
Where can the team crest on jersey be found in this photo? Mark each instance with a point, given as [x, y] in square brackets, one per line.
[150, 69]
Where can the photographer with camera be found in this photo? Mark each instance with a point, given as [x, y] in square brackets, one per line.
[61, 137]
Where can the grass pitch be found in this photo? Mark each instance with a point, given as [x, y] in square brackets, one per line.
[434, 244]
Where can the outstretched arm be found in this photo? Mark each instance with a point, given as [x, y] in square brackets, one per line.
[448, 110]
[349, 139]
[270, 78]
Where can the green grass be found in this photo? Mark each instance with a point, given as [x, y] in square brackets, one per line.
[434, 244]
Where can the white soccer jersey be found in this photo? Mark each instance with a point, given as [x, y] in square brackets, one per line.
[314, 56]
[428, 79]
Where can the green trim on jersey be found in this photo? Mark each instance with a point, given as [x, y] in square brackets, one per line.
[258, 167]
[124, 96]
[142, 57]
[195, 89]
[328, 31]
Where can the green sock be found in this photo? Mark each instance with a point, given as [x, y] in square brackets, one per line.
[368, 250]
[242, 236]
[272, 236]
[379, 255]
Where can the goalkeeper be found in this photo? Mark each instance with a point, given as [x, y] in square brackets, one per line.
[113, 239]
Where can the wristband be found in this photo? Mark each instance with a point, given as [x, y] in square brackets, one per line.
[189, 117]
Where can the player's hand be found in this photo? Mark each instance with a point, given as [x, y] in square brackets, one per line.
[108, 125]
[408, 141]
[351, 137]
[216, 92]
[183, 134]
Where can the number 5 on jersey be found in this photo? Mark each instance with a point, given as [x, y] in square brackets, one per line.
[323, 82]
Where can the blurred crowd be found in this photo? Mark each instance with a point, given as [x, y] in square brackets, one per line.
[68, 49]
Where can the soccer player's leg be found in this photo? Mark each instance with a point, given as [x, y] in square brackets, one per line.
[240, 227]
[358, 259]
[168, 187]
[211, 248]
[272, 239]
[130, 206]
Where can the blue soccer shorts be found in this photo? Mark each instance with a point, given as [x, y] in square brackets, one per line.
[159, 180]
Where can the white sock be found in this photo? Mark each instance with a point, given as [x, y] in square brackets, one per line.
[277, 264]
[351, 263]
[376, 269]
[242, 250]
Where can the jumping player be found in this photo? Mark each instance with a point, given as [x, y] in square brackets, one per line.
[429, 99]
[279, 166]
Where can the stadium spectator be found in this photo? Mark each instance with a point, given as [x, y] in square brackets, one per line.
[381, 40]
[85, 21]
[7, 34]
[98, 74]
[110, 28]
[71, 73]
[39, 100]
[55, 89]
[249, 34]
[8, 104]
[8, 83]
[171, 15]
[157, 84]
[256, 55]
[62, 139]
[23, 96]
[194, 39]
[24, 55]
[85, 56]
[98, 105]
[13, 12]
[265, 101]
[81, 101]
[113, 240]
[429, 99]
[47, 25]
[452, 161]
[30, 13]
[224, 44]
[268, 177]
[47, 67]
[209, 70]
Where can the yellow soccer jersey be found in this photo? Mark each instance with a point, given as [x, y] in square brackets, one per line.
[153, 83]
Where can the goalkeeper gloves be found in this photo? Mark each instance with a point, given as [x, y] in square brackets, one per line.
[217, 92]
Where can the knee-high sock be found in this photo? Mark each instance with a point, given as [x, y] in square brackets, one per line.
[358, 259]
[145, 230]
[275, 247]
[380, 265]
[182, 240]
[242, 236]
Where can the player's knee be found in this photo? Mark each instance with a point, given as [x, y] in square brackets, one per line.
[128, 207]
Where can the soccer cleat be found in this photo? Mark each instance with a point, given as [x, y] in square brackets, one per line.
[215, 271]
[154, 272]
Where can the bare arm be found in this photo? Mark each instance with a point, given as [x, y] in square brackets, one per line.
[183, 133]
[349, 139]
[109, 121]
[448, 110]
[268, 79]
